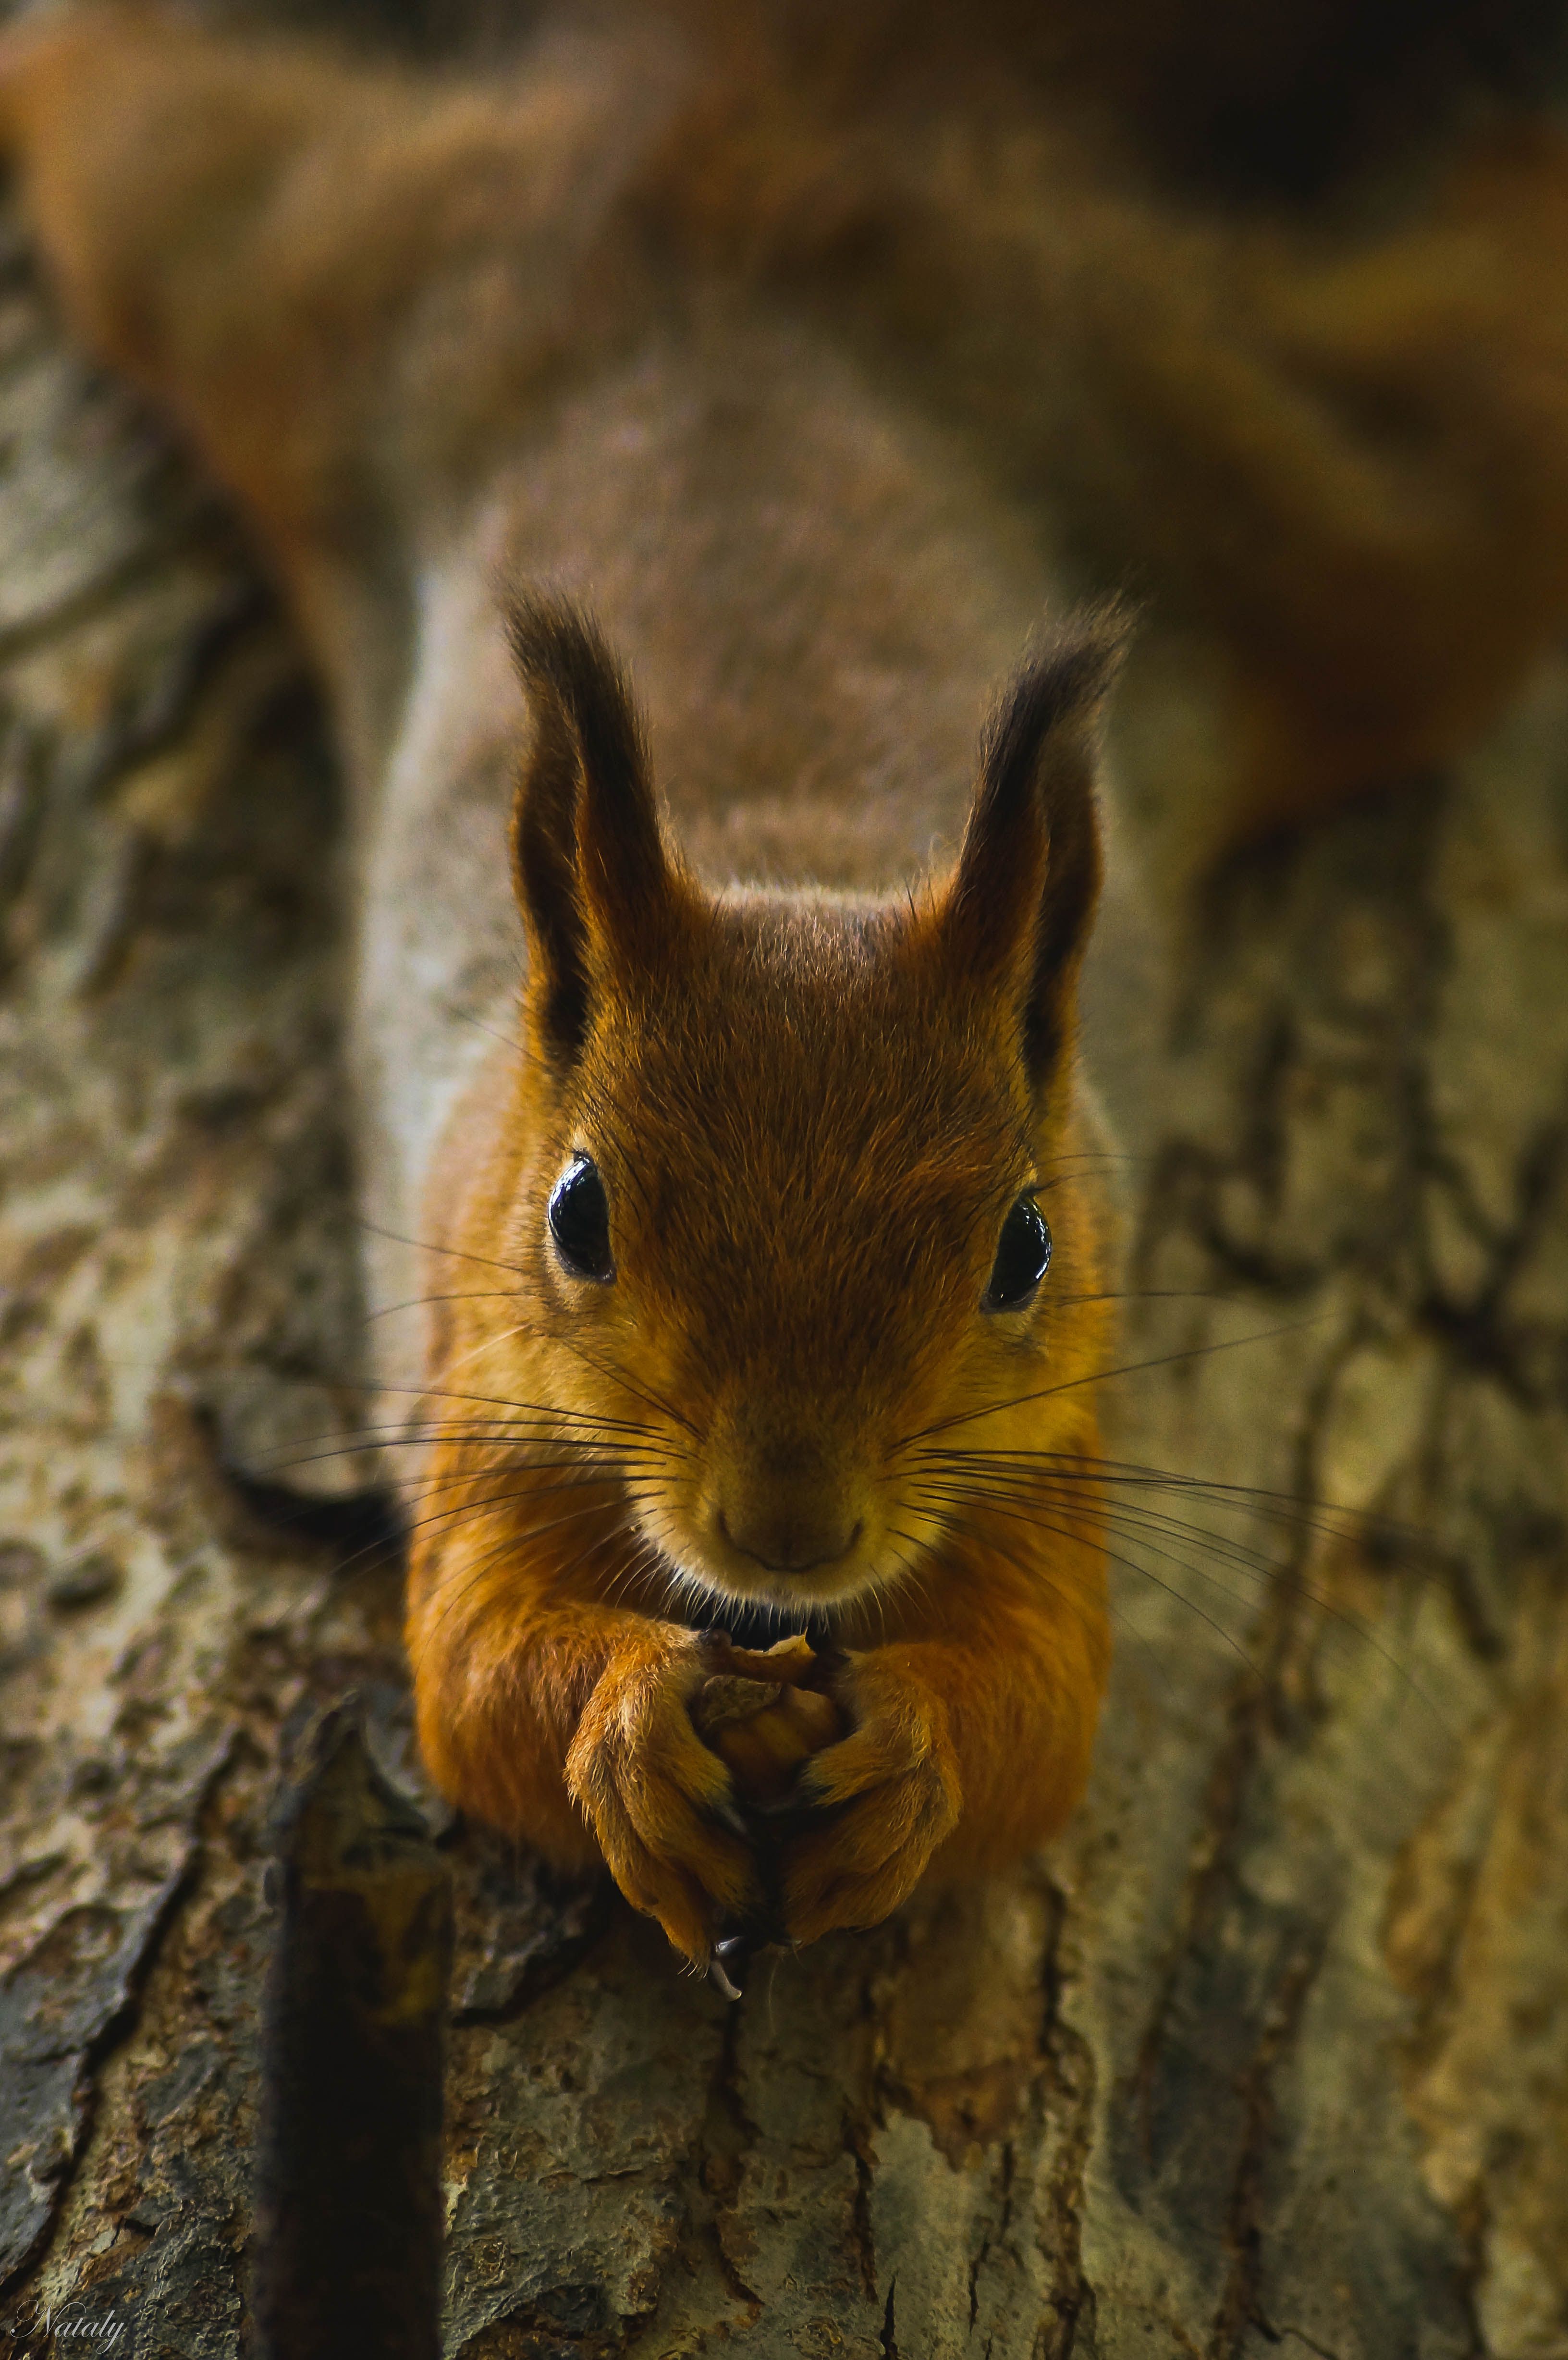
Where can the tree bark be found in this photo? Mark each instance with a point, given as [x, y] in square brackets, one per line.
[1269, 2056]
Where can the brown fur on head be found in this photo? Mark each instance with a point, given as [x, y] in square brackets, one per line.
[810, 1118]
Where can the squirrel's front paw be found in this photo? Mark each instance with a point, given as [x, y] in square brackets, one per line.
[659, 1802]
[893, 1790]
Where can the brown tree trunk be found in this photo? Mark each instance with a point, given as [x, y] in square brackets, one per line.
[1269, 2056]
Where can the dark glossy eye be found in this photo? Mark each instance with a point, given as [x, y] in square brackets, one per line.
[1023, 1257]
[580, 1220]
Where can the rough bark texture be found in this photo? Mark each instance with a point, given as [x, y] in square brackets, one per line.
[1271, 2054]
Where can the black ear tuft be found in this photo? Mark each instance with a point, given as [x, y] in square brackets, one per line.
[592, 875]
[1019, 909]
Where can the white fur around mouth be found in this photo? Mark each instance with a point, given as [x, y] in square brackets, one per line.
[704, 1596]
[705, 1588]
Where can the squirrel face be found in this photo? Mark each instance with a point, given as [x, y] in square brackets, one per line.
[804, 1184]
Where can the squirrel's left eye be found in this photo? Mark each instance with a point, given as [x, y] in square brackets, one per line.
[1023, 1257]
[580, 1220]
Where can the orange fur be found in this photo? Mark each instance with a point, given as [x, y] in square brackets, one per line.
[789, 356]
[875, 1096]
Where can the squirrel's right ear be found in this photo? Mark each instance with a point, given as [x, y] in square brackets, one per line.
[1014, 921]
[595, 879]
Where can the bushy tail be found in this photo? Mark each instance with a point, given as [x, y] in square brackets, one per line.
[1265, 311]
[1333, 441]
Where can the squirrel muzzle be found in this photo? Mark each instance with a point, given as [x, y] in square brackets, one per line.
[785, 1499]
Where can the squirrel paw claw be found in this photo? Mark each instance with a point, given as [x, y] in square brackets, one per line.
[659, 1801]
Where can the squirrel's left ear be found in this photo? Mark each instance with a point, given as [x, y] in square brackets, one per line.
[595, 882]
[1016, 918]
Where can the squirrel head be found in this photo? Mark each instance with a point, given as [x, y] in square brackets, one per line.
[804, 1194]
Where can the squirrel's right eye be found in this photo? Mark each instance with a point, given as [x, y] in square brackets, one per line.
[580, 1220]
[1023, 1257]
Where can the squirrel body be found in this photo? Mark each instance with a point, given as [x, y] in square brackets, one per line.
[764, 1273]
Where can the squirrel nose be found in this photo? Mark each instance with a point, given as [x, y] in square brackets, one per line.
[789, 1536]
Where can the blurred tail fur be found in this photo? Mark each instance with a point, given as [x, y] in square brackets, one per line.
[1323, 428]
[1265, 313]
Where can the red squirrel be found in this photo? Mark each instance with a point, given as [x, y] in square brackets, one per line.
[746, 1270]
